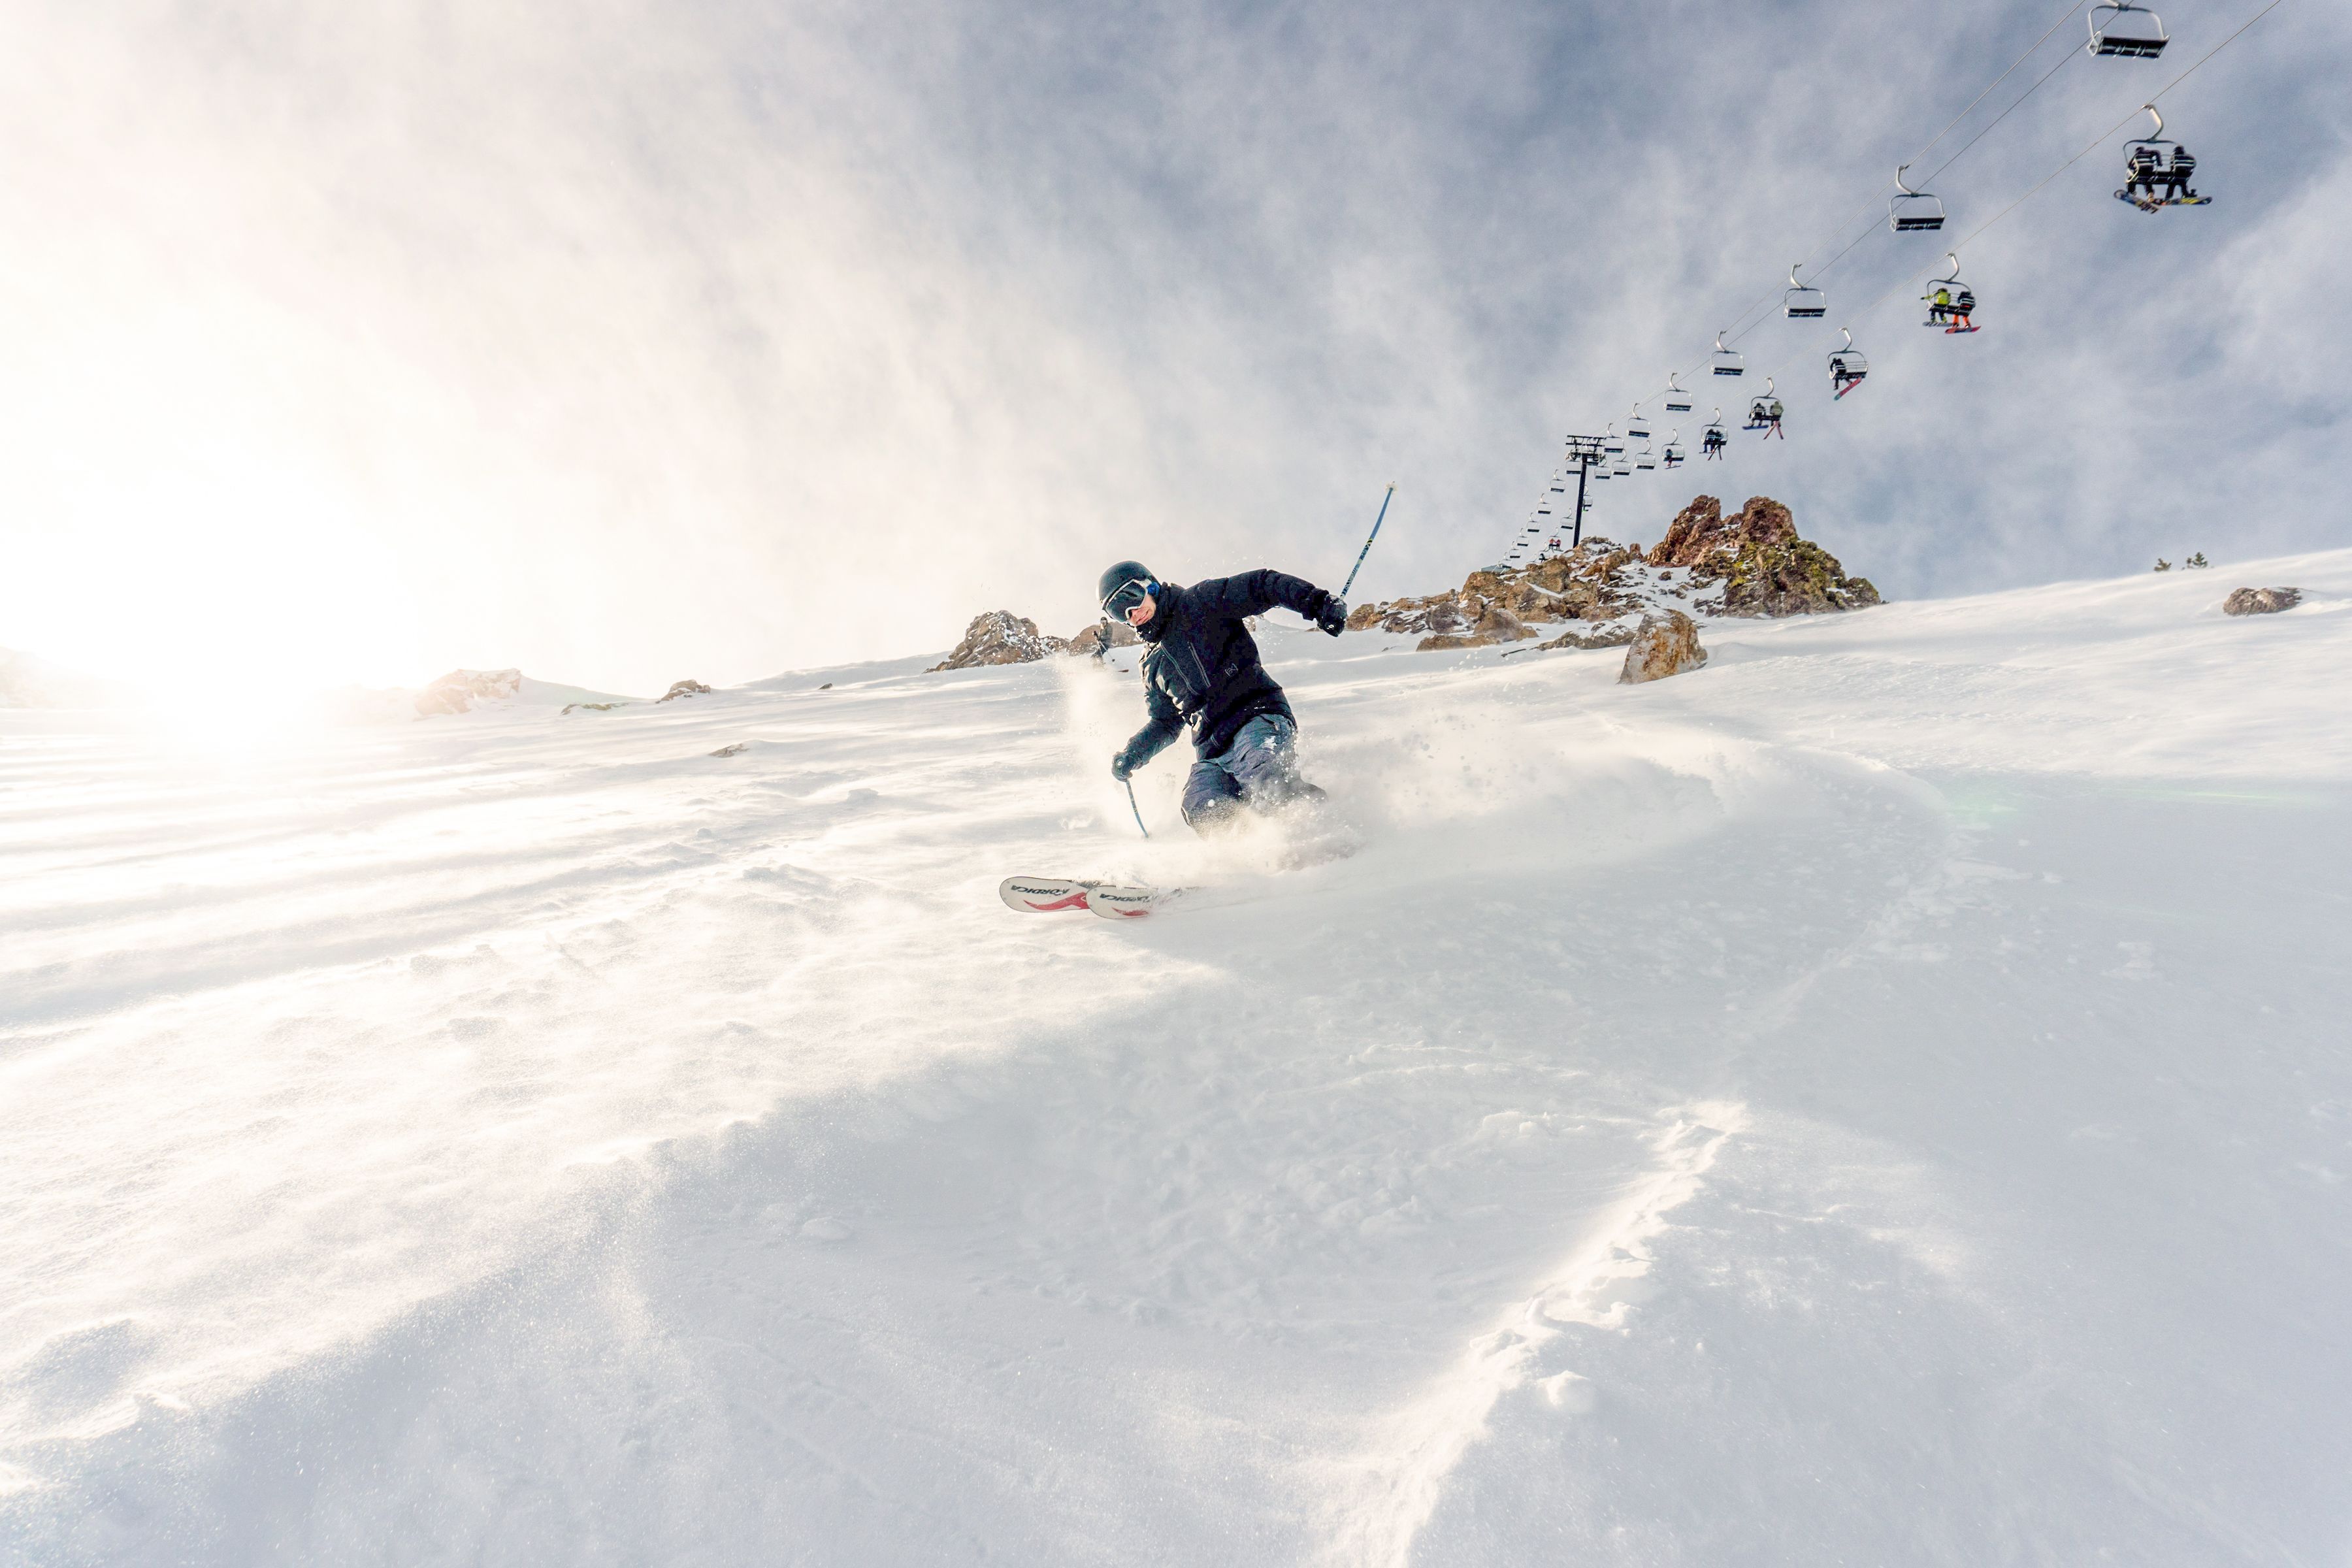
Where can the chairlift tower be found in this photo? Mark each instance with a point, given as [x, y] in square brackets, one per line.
[1584, 451]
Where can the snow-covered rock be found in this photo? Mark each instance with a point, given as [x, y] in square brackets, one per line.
[2261, 601]
[1765, 566]
[463, 690]
[684, 689]
[999, 636]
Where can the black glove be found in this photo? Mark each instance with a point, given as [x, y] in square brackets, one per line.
[1331, 614]
[1120, 767]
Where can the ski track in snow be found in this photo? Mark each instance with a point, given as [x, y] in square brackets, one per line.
[1879, 1098]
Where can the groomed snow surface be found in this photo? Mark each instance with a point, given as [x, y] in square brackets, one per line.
[1882, 1098]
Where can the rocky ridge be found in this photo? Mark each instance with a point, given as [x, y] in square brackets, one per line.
[1750, 563]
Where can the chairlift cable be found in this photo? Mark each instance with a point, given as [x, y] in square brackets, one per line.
[1743, 325]
[2092, 146]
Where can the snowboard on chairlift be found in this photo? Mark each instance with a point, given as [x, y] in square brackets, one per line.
[2157, 203]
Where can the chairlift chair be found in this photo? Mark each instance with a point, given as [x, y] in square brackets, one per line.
[1802, 303]
[1675, 456]
[1637, 428]
[1913, 209]
[1956, 312]
[2121, 34]
[1610, 444]
[1758, 419]
[1645, 458]
[1622, 469]
[1847, 367]
[1678, 400]
[2147, 168]
[1727, 362]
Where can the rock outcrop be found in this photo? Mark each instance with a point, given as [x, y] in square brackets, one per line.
[1667, 644]
[463, 690]
[999, 636]
[1101, 638]
[1596, 583]
[684, 689]
[2261, 601]
[1765, 566]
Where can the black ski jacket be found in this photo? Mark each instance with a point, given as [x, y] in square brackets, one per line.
[1201, 667]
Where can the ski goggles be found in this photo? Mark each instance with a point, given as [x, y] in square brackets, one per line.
[1126, 596]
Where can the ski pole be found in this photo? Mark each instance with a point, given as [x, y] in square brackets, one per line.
[1135, 808]
[1367, 550]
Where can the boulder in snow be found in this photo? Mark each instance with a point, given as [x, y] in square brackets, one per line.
[2261, 601]
[999, 636]
[684, 689]
[1665, 645]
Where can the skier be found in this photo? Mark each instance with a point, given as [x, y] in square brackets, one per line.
[1773, 415]
[1940, 307]
[1201, 668]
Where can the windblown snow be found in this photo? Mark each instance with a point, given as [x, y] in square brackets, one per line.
[1883, 1097]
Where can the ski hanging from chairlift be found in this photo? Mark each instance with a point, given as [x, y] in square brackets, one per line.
[2155, 180]
[1847, 367]
[1913, 210]
[2121, 34]
[1951, 303]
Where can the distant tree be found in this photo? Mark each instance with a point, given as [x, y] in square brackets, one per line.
[2197, 560]
[2162, 565]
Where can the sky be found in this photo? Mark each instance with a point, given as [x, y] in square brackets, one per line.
[627, 342]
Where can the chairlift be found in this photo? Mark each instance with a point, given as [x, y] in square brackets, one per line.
[1800, 302]
[1645, 458]
[1637, 428]
[1913, 209]
[1728, 362]
[1610, 443]
[1759, 416]
[1675, 456]
[2120, 35]
[1847, 367]
[1951, 303]
[1713, 443]
[1621, 470]
[2149, 169]
[1678, 400]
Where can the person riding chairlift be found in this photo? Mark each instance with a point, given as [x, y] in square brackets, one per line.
[1772, 413]
[2175, 176]
[1714, 444]
[1962, 307]
[1939, 308]
[2142, 171]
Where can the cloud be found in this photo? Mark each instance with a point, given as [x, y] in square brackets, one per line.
[625, 343]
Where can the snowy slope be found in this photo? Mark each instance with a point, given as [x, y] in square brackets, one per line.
[1880, 1099]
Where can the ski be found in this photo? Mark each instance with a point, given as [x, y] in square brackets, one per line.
[1117, 903]
[1057, 895]
[1043, 895]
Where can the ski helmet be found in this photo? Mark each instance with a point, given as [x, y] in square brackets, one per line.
[1124, 586]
